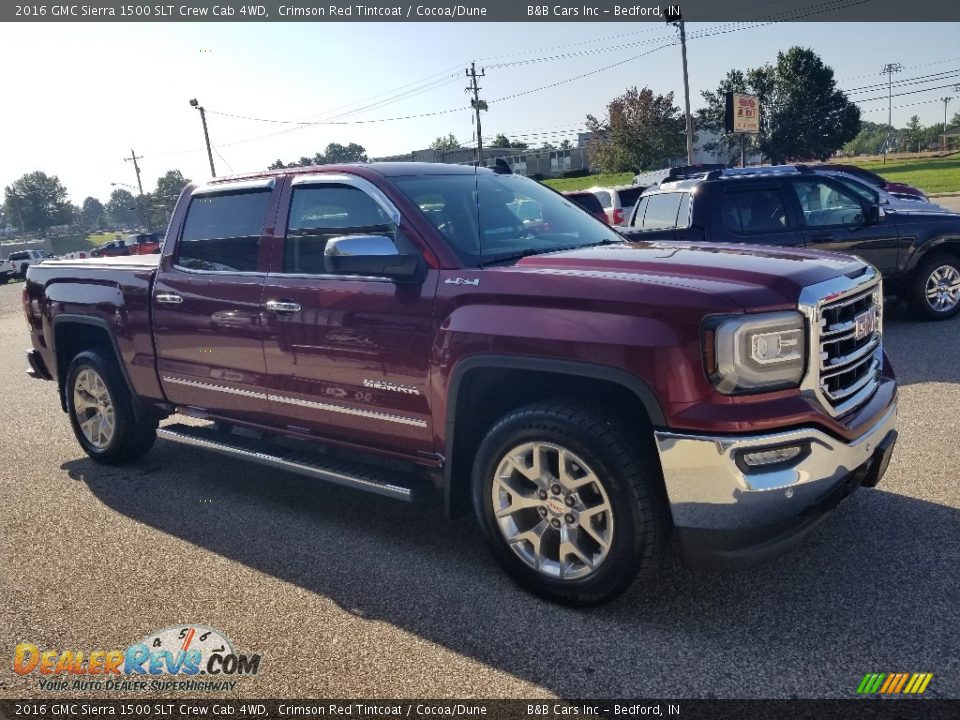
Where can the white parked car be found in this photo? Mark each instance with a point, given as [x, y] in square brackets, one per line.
[18, 262]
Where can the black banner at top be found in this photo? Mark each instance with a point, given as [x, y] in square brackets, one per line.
[479, 11]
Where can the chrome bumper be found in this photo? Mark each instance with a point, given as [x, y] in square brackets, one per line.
[725, 509]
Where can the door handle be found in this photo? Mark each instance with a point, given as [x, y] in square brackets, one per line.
[168, 298]
[284, 307]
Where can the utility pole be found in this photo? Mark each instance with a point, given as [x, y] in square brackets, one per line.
[889, 69]
[206, 135]
[144, 213]
[676, 19]
[943, 136]
[477, 104]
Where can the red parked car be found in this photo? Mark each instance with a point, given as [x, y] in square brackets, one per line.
[900, 190]
[588, 201]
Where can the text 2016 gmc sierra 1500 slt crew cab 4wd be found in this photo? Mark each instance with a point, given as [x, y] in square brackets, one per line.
[915, 245]
[405, 328]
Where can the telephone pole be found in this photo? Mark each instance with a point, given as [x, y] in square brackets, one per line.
[676, 20]
[144, 213]
[477, 104]
[889, 69]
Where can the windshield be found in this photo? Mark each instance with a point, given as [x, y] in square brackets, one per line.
[516, 216]
[860, 188]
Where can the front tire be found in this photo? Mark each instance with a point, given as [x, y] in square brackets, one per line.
[570, 509]
[935, 289]
[102, 411]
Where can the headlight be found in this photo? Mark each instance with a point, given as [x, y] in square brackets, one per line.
[750, 353]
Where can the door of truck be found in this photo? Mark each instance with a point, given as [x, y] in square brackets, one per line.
[206, 302]
[834, 217]
[347, 356]
[755, 211]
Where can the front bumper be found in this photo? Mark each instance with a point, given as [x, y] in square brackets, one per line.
[729, 513]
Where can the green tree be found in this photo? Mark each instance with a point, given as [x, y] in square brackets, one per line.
[37, 201]
[914, 134]
[92, 215]
[337, 153]
[868, 141]
[639, 131]
[449, 142]
[566, 145]
[122, 208]
[502, 141]
[802, 114]
[168, 189]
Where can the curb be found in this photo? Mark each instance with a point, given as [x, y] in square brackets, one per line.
[944, 194]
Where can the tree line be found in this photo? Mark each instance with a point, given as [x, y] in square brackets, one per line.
[36, 202]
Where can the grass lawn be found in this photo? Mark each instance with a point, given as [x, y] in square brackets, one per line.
[932, 175]
[564, 184]
[69, 243]
[101, 238]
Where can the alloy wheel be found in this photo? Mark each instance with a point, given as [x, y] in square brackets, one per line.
[93, 408]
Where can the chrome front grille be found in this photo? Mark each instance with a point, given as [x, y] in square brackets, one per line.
[848, 331]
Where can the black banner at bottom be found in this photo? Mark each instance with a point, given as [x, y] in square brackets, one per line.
[242, 709]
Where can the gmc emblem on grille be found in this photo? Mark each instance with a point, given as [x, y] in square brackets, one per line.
[864, 324]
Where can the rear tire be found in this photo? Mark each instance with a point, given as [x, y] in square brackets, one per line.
[935, 287]
[570, 508]
[107, 423]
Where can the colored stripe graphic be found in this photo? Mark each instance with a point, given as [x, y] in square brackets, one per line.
[894, 683]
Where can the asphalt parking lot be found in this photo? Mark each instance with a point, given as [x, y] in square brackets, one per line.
[350, 595]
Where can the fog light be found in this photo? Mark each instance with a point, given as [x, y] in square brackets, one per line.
[771, 457]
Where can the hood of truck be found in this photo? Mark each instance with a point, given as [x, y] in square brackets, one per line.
[754, 278]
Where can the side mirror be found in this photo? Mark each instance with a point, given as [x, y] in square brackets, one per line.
[371, 255]
[872, 214]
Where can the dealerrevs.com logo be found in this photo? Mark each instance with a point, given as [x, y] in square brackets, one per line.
[186, 657]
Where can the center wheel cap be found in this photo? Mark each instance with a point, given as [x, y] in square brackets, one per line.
[556, 506]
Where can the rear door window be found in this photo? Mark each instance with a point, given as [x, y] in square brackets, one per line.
[222, 232]
[662, 210]
[754, 210]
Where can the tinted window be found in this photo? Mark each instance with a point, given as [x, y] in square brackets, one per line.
[753, 211]
[588, 202]
[18, 256]
[662, 210]
[222, 232]
[637, 218]
[326, 211]
[828, 203]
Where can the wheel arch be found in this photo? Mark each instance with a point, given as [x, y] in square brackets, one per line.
[74, 334]
[946, 245]
[521, 380]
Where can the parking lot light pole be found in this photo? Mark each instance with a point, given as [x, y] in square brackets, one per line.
[206, 135]
[675, 19]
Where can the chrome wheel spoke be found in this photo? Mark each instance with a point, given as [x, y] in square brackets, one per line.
[533, 536]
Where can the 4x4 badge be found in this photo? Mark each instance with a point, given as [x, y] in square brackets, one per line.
[462, 281]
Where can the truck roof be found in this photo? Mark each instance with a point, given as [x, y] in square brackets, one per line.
[387, 169]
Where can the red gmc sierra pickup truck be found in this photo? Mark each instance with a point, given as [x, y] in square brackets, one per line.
[408, 328]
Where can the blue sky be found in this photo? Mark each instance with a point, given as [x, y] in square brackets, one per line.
[79, 96]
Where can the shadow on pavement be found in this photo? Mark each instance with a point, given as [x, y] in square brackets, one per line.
[921, 351]
[847, 601]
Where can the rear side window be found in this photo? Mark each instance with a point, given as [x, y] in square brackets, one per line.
[322, 212]
[604, 198]
[662, 210]
[19, 256]
[222, 232]
[753, 211]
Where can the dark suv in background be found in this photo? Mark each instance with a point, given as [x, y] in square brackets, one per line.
[916, 249]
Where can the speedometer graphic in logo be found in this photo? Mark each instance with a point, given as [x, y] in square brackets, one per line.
[196, 642]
